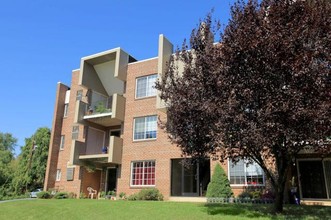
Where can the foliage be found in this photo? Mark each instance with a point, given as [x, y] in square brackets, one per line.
[32, 161]
[111, 193]
[72, 195]
[61, 195]
[102, 194]
[122, 195]
[44, 195]
[133, 197]
[151, 194]
[82, 195]
[100, 108]
[219, 185]
[262, 93]
[7, 163]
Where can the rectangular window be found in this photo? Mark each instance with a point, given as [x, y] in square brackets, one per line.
[58, 175]
[66, 106]
[62, 142]
[145, 86]
[79, 95]
[70, 174]
[145, 128]
[143, 173]
[75, 131]
[244, 173]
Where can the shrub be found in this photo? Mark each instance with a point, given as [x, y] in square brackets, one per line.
[150, 194]
[61, 195]
[245, 194]
[122, 195]
[133, 197]
[82, 195]
[111, 193]
[72, 195]
[102, 194]
[219, 185]
[44, 195]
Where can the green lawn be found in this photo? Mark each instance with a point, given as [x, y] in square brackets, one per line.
[106, 209]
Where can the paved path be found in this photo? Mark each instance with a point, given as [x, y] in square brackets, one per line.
[14, 200]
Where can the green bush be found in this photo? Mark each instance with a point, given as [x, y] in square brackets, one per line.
[150, 194]
[133, 197]
[72, 195]
[82, 195]
[219, 185]
[122, 195]
[61, 195]
[44, 195]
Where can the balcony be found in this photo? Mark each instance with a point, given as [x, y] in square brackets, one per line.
[84, 154]
[106, 111]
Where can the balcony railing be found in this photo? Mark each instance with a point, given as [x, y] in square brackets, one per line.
[107, 113]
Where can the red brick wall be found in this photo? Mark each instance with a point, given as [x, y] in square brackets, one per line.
[159, 150]
[55, 139]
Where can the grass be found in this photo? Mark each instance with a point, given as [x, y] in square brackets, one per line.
[105, 209]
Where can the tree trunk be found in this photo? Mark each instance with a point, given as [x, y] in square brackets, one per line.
[278, 206]
[279, 185]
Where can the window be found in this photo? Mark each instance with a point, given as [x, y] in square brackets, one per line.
[145, 86]
[66, 110]
[62, 142]
[244, 173]
[58, 174]
[143, 173]
[70, 174]
[75, 130]
[79, 95]
[145, 128]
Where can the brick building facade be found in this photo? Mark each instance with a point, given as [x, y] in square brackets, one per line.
[105, 133]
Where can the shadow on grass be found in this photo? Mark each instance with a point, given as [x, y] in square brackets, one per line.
[247, 210]
[264, 211]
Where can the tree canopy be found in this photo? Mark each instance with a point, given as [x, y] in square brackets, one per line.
[32, 162]
[263, 92]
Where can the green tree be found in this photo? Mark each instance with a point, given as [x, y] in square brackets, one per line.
[7, 144]
[219, 185]
[32, 162]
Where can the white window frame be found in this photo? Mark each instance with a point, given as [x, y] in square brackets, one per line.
[147, 86]
[66, 107]
[58, 175]
[62, 142]
[245, 168]
[145, 123]
[143, 174]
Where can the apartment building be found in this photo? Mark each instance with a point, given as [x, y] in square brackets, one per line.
[105, 133]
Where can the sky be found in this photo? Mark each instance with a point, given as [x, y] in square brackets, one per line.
[42, 41]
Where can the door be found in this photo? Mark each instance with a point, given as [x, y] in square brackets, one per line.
[312, 180]
[111, 179]
[190, 180]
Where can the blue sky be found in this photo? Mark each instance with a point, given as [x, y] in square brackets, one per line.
[42, 41]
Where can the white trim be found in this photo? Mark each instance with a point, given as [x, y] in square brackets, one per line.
[66, 109]
[146, 96]
[140, 61]
[58, 175]
[245, 167]
[62, 142]
[134, 125]
[131, 173]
